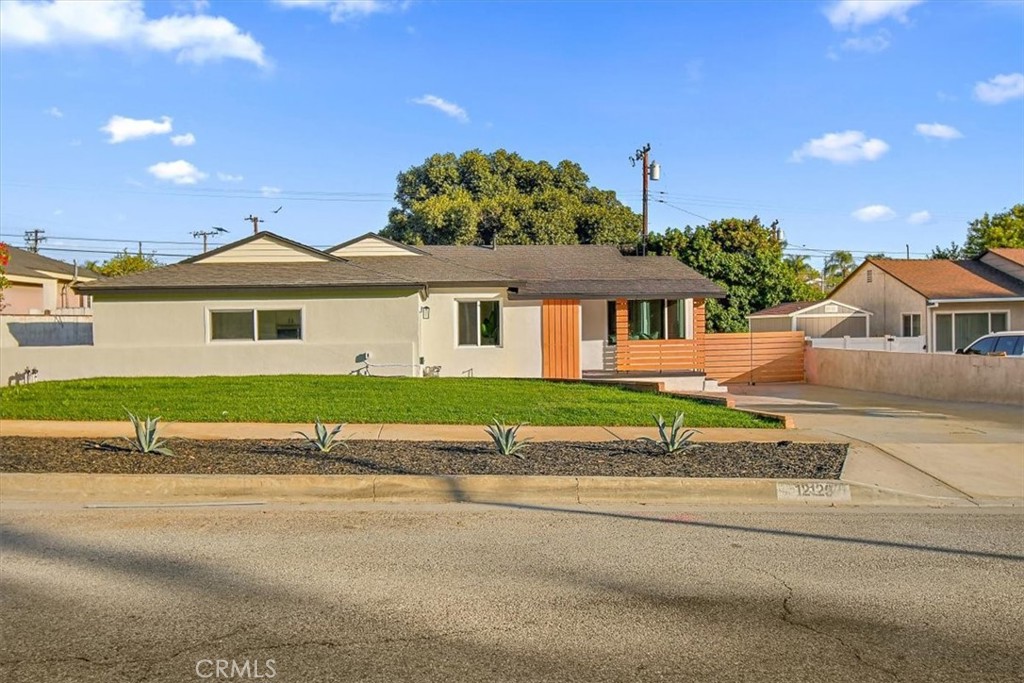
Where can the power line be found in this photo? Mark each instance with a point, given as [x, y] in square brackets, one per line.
[679, 208]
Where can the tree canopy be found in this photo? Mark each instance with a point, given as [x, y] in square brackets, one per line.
[743, 256]
[123, 264]
[1004, 229]
[477, 198]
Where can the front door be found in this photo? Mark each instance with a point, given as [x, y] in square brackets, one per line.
[560, 330]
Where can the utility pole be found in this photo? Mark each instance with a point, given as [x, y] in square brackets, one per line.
[908, 251]
[33, 238]
[255, 220]
[651, 171]
[215, 230]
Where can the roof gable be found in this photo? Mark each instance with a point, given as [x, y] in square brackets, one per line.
[262, 247]
[797, 308]
[1012, 254]
[372, 244]
[942, 279]
[30, 264]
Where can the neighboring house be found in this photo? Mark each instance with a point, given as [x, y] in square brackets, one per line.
[816, 319]
[949, 303]
[266, 304]
[42, 285]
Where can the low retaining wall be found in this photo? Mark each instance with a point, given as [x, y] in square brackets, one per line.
[938, 376]
[45, 330]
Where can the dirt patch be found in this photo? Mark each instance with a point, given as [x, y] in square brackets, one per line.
[774, 460]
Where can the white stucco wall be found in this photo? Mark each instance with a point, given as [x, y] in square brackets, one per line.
[594, 331]
[885, 297]
[519, 354]
[168, 335]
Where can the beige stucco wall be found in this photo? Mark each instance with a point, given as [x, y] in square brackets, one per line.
[168, 336]
[885, 296]
[519, 354]
[924, 375]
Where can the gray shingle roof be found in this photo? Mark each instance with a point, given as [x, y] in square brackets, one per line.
[29, 264]
[536, 271]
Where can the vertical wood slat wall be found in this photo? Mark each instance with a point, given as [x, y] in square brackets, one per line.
[560, 330]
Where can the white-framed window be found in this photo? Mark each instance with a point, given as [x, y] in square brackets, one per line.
[479, 323]
[255, 324]
[957, 330]
[657, 319]
[911, 325]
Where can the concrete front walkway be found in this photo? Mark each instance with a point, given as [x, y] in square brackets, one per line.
[941, 448]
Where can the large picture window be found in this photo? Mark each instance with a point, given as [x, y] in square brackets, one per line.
[255, 325]
[657, 319]
[479, 323]
[957, 330]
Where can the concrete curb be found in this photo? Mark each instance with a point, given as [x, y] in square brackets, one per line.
[164, 488]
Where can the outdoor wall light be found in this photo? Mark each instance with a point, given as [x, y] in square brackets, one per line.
[425, 312]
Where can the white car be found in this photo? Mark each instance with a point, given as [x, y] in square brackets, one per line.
[997, 344]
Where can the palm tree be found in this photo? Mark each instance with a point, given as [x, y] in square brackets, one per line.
[838, 265]
[802, 270]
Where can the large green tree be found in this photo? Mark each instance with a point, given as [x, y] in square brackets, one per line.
[477, 198]
[1004, 229]
[744, 257]
[838, 265]
[123, 264]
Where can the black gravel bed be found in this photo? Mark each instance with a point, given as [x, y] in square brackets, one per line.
[773, 460]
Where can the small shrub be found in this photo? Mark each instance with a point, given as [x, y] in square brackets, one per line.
[146, 440]
[505, 439]
[674, 439]
[323, 440]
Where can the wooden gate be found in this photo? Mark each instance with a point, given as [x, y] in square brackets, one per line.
[743, 357]
[560, 330]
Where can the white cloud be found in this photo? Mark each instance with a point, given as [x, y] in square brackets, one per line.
[869, 44]
[178, 172]
[449, 108]
[190, 37]
[999, 89]
[184, 140]
[938, 130]
[842, 148]
[268, 191]
[343, 10]
[852, 14]
[54, 112]
[121, 128]
[919, 217]
[228, 178]
[874, 213]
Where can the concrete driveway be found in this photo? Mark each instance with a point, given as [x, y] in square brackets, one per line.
[938, 448]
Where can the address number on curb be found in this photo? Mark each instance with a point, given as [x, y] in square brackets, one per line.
[823, 491]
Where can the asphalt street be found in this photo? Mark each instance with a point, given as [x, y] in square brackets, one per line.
[464, 592]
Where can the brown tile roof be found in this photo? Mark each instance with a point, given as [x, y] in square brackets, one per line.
[29, 264]
[581, 271]
[785, 309]
[1010, 254]
[943, 279]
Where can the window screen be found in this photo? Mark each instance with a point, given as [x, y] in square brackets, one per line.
[231, 325]
[468, 328]
[944, 332]
[677, 319]
[999, 322]
[968, 327]
[646, 319]
[490, 323]
[279, 324]
[912, 325]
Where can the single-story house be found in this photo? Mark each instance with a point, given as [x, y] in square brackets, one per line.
[949, 303]
[266, 304]
[42, 285]
[827, 318]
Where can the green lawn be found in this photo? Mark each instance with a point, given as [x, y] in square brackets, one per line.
[301, 398]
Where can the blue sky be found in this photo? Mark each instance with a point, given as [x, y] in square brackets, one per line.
[864, 126]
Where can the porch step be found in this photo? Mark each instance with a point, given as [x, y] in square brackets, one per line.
[712, 387]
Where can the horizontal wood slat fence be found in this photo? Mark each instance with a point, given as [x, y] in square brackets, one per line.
[744, 357]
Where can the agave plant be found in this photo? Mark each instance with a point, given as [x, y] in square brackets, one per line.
[146, 440]
[323, 440]
[674, 439]
[505, 439]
